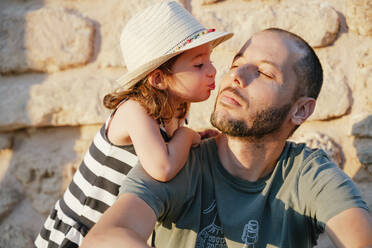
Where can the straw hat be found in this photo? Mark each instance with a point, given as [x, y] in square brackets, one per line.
[157, 34]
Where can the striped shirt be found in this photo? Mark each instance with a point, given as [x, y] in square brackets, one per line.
[94, 188]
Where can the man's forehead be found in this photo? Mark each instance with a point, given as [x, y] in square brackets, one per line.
[270, 46]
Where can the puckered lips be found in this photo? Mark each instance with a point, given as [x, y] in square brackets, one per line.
[212, 86]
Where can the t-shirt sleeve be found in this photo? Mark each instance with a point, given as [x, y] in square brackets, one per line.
[166, 199]
[326, 190]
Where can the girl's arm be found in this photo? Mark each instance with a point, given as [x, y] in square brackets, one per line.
[162, 161]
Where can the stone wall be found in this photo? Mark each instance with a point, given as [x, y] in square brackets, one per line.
[59, 58]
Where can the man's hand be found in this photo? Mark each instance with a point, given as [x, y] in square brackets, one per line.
[127, 223]
[351, 228]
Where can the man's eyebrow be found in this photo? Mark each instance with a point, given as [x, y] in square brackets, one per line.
[270, 63]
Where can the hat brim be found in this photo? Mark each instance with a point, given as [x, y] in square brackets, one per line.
[131, 78]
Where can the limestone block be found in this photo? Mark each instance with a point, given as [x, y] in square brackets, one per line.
[14, 236]
[362, 88]
[26, 218]
[334, 99]
[41, 159]
[206, 2]
[365, 55]
[362, 126]
[317, 23]
[68, 98]
[44, 40]
[6, 141]
[363, 147]
[9, 197]
[324, 142]
[359, 16]
[5, 158]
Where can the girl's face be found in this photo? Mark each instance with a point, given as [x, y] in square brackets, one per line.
[193, 75]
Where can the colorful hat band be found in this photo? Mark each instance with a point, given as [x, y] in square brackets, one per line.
[182, 44]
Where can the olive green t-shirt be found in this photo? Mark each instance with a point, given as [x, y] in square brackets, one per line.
[204, 206]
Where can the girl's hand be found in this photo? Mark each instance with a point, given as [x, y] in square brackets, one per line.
[208, 133]
[195, 136]
[195, 139]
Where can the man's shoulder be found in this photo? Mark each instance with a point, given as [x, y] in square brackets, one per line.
[306, 152]
[302, 155]
[206, 148]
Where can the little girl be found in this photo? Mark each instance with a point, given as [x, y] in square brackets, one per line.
[167, 53]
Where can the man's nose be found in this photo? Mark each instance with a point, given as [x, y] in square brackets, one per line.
[242, 75]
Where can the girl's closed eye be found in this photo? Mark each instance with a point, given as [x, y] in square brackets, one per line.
[199, 66]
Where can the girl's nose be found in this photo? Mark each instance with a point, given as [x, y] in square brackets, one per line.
[211, 70]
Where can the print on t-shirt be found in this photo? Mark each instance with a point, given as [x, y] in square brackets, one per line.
[250, 234]
[211, 234]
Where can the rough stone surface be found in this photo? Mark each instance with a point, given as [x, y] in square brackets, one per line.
[5, 158]
[65, 98]
[334, 99]
[299, 18]
[15, 237]
[44, 40]
[363, 127]
[324, 142]
[362, 88]
[359, 16]
[365, 56]
[25, 217]
[42, 159]
[9, 197]
[6, 141]
[364, 151]
[206, 2]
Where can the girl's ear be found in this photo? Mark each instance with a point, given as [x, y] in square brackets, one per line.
[156, 79]
[303, 108]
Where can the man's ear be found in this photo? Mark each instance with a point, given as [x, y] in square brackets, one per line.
[303, 108]
[156, 79]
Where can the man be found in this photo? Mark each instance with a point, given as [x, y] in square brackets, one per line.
[248, 187]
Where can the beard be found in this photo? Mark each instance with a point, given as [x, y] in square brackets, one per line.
[264, 122]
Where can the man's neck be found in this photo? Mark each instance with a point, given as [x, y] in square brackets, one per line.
[249, 159]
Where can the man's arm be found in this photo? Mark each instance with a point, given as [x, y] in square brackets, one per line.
[127, 223]
[351, 228]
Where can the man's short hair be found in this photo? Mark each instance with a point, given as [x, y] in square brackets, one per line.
[308, 69]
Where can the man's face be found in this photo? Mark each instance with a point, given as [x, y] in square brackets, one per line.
[257, 93]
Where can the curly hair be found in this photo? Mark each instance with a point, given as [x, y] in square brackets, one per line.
[155, 101]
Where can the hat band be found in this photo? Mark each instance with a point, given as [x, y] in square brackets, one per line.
[193, 37]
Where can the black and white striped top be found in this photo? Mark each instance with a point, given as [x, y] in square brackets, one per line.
[94, 188]
[95, 185]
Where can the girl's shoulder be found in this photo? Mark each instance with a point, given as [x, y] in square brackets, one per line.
[130, 108]
[128, 116]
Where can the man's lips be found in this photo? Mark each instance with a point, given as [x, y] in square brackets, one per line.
[229, 97]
